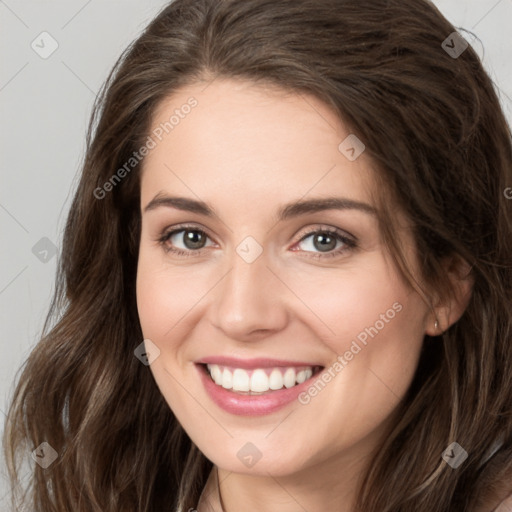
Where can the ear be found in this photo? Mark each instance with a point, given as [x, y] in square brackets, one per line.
[450, 309]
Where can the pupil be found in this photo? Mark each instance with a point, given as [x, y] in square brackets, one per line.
[193, 239]
[326, 242]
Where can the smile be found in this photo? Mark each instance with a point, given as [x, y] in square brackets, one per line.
[259, 380]
[253, 387]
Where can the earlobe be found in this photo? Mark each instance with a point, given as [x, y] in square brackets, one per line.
[449, 310]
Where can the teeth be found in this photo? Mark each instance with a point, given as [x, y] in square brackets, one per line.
[216, 374]
[258, 380]
[240, 380]
[276, 379]
[227, 379]
[289, 378]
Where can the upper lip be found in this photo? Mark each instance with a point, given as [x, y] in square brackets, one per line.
[249, 364]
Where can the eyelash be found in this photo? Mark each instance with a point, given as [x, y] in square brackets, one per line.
[349, 243]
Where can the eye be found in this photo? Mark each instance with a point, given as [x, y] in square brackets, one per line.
[326, 242]
[184, 240]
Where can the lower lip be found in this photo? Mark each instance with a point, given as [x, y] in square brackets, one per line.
[250, 405]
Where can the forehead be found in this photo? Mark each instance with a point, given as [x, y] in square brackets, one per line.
[256, 141]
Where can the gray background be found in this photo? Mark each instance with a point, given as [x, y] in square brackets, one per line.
[44, 109]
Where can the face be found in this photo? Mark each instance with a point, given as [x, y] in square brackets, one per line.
[284, 331]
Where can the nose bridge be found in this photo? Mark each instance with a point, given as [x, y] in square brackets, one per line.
[247, 299]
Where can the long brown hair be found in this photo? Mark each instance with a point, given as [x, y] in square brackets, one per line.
[442, 148]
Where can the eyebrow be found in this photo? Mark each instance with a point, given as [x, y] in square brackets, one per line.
[287, 211]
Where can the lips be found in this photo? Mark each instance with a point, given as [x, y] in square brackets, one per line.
[254, 386]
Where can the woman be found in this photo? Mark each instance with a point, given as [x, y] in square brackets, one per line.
[286, 279]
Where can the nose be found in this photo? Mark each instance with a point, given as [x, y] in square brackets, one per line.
[249, 302]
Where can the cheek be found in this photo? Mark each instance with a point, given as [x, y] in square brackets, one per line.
[373, 365]
[355, 303]
[375, 323]
[165, 294]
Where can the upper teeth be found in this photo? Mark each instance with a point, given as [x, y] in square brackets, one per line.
[258, 380]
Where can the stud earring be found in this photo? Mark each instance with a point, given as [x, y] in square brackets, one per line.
[436, 325]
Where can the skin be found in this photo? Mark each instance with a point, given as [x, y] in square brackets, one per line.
[246, 150]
